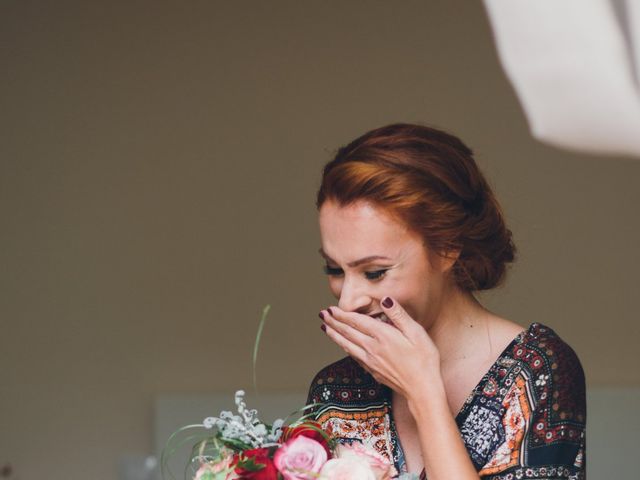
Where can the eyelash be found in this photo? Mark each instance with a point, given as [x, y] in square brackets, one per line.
[377, 275]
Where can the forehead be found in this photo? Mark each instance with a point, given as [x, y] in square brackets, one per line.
[360, 213]
[360, 228]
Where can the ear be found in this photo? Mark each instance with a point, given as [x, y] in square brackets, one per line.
[447, 259]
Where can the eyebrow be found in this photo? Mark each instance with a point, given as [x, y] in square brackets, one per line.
[356, 262]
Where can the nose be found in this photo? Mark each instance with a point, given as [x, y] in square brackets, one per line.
[354, 296]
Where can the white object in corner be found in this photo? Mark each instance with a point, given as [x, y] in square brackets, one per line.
[575, 66]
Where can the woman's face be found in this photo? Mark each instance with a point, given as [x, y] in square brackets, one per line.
[353, 236]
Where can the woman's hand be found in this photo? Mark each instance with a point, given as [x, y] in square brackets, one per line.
[395, 355]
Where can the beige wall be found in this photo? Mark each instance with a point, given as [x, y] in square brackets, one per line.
[158, 164]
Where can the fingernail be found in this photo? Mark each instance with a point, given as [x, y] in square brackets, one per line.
[387, 302]
[323, 328]
[330, 311]
[321, 315]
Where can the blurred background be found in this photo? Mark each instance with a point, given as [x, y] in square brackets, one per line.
[158, 168]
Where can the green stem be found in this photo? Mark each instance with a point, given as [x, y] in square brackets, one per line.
[263, 319]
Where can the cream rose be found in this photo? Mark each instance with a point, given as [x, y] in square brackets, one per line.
[352, 468]
[380, 466]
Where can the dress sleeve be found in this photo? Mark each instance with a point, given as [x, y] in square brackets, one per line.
[318, 389]
[545, 420]
[327, 381]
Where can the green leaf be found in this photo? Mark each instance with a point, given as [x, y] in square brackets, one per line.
[235, 444]
[250, 464]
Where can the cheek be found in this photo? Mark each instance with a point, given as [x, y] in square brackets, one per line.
[412, 295]
[335, 286]
[403, 288]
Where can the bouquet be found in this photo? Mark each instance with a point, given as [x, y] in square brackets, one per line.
[241, 446]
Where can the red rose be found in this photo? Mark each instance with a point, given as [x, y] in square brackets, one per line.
[309, 429]
[257, 456]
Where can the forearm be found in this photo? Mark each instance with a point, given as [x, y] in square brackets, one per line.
[444, 453]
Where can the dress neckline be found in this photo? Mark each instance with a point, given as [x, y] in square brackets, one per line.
[398, 451]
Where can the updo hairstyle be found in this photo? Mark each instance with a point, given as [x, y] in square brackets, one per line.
[428, 180]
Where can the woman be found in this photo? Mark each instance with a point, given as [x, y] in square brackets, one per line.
[433, 380]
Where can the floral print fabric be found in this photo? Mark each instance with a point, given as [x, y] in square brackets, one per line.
[525, 419]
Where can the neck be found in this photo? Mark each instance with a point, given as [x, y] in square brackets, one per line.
[461, 328]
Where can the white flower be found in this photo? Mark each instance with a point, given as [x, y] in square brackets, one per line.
[246, 426]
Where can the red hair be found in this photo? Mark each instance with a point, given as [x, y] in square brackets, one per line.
[428, 180]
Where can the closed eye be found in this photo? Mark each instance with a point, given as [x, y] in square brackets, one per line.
[336, 272]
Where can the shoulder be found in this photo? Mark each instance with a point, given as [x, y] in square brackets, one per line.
[542, 402]
[342, 381]
[541, 348]
[337, 371]
[555, 373]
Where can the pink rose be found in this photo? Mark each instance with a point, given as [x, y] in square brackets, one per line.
[381, 467]
[351, 468]
[300, 458]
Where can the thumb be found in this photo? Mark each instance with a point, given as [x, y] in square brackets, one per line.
[398, 315]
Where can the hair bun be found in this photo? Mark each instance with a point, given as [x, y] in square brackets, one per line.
[423, 177]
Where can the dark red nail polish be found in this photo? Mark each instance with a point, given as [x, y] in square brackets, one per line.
[323, 327]
[330, 311]
[387, 302]
[321, 315]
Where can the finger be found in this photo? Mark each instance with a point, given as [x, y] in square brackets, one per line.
[399, 316]
[363, 323]
[356, 351]
[347, 327]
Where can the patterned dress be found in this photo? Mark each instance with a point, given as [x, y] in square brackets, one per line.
[525, 419]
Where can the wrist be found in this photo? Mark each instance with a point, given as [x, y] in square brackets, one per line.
[427, 397]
